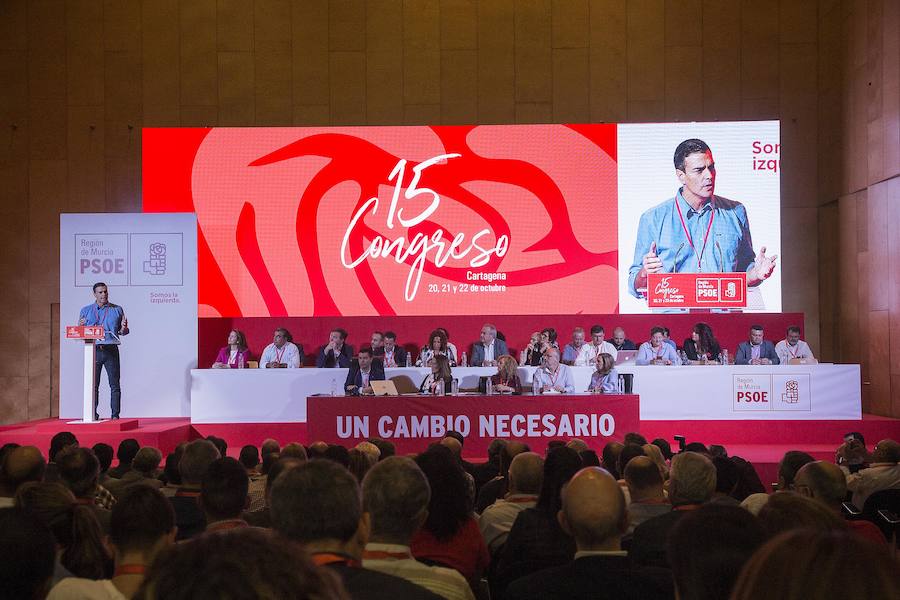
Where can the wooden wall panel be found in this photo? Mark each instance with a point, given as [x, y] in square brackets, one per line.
[347, 25]
[569, 21]
[890, 81]
[14, 25]
[236, 89]
[645, 59]
[86, 149]
[160, 76]
[534, 64]
[496, 62]
[84, 52]
[421, 52]
[459, 24]
[459, 87]
[721, 59]
[122, 26]
[309, 19]
[348, 88]
[234, 26]
[608, 94]
[571, 85]
[199, 65]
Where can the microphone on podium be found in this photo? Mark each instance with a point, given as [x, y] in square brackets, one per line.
[675, 260]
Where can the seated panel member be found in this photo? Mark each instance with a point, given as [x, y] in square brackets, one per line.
[667, 339]
[390, 353]
[362, 371]
[489, 348]
[506, 379]
[235, 353]
[572, 349]
[696, 231]
[554, 376]
[757, 351]
[792, 346]
[702, 343]
[440, 371]
[437, 346]
[620, 342]
[589, 352]
[377, 342]
[656, 351]
[335, 354]
[605, 379]
[282, 353]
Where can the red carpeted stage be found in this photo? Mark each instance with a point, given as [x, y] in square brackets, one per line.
[761, 442]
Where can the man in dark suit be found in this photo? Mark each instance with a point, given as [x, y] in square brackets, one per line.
[757, 351]
[389, 353]
[593, 513]
[489, 348]
[362, 371]
[318, 505]
[335, 353]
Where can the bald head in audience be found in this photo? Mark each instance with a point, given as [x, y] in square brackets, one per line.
[453, 444]
[21, 465]
[643, 479]
[824, 482]
[886, 451]
[593, 510]
[526, 473]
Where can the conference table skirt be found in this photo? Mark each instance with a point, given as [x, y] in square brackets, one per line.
[790, 392]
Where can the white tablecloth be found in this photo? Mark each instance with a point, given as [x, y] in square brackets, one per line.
[707, 393]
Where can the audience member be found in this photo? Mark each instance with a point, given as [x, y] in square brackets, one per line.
[610, 455]
[792, 347]
[338, 454]
[282, 353]
[554, 377]
[573, 349]
[707, 549]
[702, 346]
[589, 458]
[104, 454]
[79, 471]
[362, 371]
[815, 565]
[664, 447]
[645, 487]
[883, 473]
[220, 444]
[391, 354]
[29, 555]
[317, 450]
[370, 449]
[296, 450]
[360, 463]
[79, 539]
[223, 494]
[497, 488]
[633, 437]
[396, 495]
[269, 446]
[386, 448]
[656, 351]
[128, 449]
[20, 466]
[756, 351]
[525, 476]
[787, 510]
[593, 513]
[486, 471]
[655, 454]
[234, 354]
[244, 563]
[262, 517]
[318, 504]
[488, 349]
[171, 474]
[620, 342]
[195, 461]
[143, 472]
[58, 442]
[587, 357]
[692, 482]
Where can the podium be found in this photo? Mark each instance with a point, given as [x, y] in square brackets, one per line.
[88, 334]
[705, 291]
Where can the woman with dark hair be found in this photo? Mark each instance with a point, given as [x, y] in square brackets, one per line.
[440, 371]
[549, 336]
[75, 527]
[437, 346]
[536, 540]
[235, 354]
[450, 536]
[702, 344]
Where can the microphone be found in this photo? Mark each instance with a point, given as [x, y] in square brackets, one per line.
[721, 255]
[675, 260]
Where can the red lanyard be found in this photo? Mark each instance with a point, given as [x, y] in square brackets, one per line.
[130, 570]
[380, 554]
[793, 352]
[101, 321]
[688, 234]
[330, 558]
[278, 354]
[553, 377]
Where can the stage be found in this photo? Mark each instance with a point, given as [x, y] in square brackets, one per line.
[761, 442]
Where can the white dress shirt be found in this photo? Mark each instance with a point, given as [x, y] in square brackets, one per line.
[786, 352]
[589, 352]
[289, 353]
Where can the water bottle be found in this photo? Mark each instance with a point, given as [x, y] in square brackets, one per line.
[440, 387]
[535, 383]
[240, 361]
[408, 359]
[333, 386]
[725, 357]
[489, 387]
[620, 385]
[454, 387]
[464, 361]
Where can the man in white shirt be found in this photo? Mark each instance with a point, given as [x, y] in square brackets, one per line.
[282, 353]
[396, 495]
[526, 472]
[488, 349]
[883, 473]
[589, 352]
[553, 377]
[792, 346]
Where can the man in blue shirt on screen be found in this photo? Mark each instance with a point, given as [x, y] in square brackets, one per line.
[112, 318]
[696, 231]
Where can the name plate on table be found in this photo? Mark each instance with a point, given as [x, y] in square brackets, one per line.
[413, 422]
[84, 332]
[697, 290]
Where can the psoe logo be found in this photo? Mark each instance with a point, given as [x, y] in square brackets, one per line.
[791, 393]
[156, 263]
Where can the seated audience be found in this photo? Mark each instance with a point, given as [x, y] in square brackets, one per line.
[498, 487]
[282, 353]
[554, 377]
[20, 466]
[506, 379]
[708, 547]
[525, 476]
[852, 454]
[486, 471]
[825, 483]
[620, 342]
[244, 563]
[573, 348]
[79, 539]
[262, 517]
[362, 371]
[589, 352]
[593, 514]
[440, 372]
[536, 540]
[336, 353]
[437, 346]
[702, 346]
[814, 565]
[128, 449]
[269, 446]
[664, 447]
[792, 347]
[605, 380]
[143, 472]
[142, 525]
[171, 476]
[104, 454]
[488, 349]
[318, 504]
[692, 482]
[645, 487]
[390, 353]
[359, 463]
[786, 511]
[610, 455]
[883, 473]
[396, 496]
[234, 354]
[29, 555]
[788, 466]
[223, 495]
[79, 470]
[655, 454]
[195, 461]
[656, 352]
[58, 442]
[757, 351]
